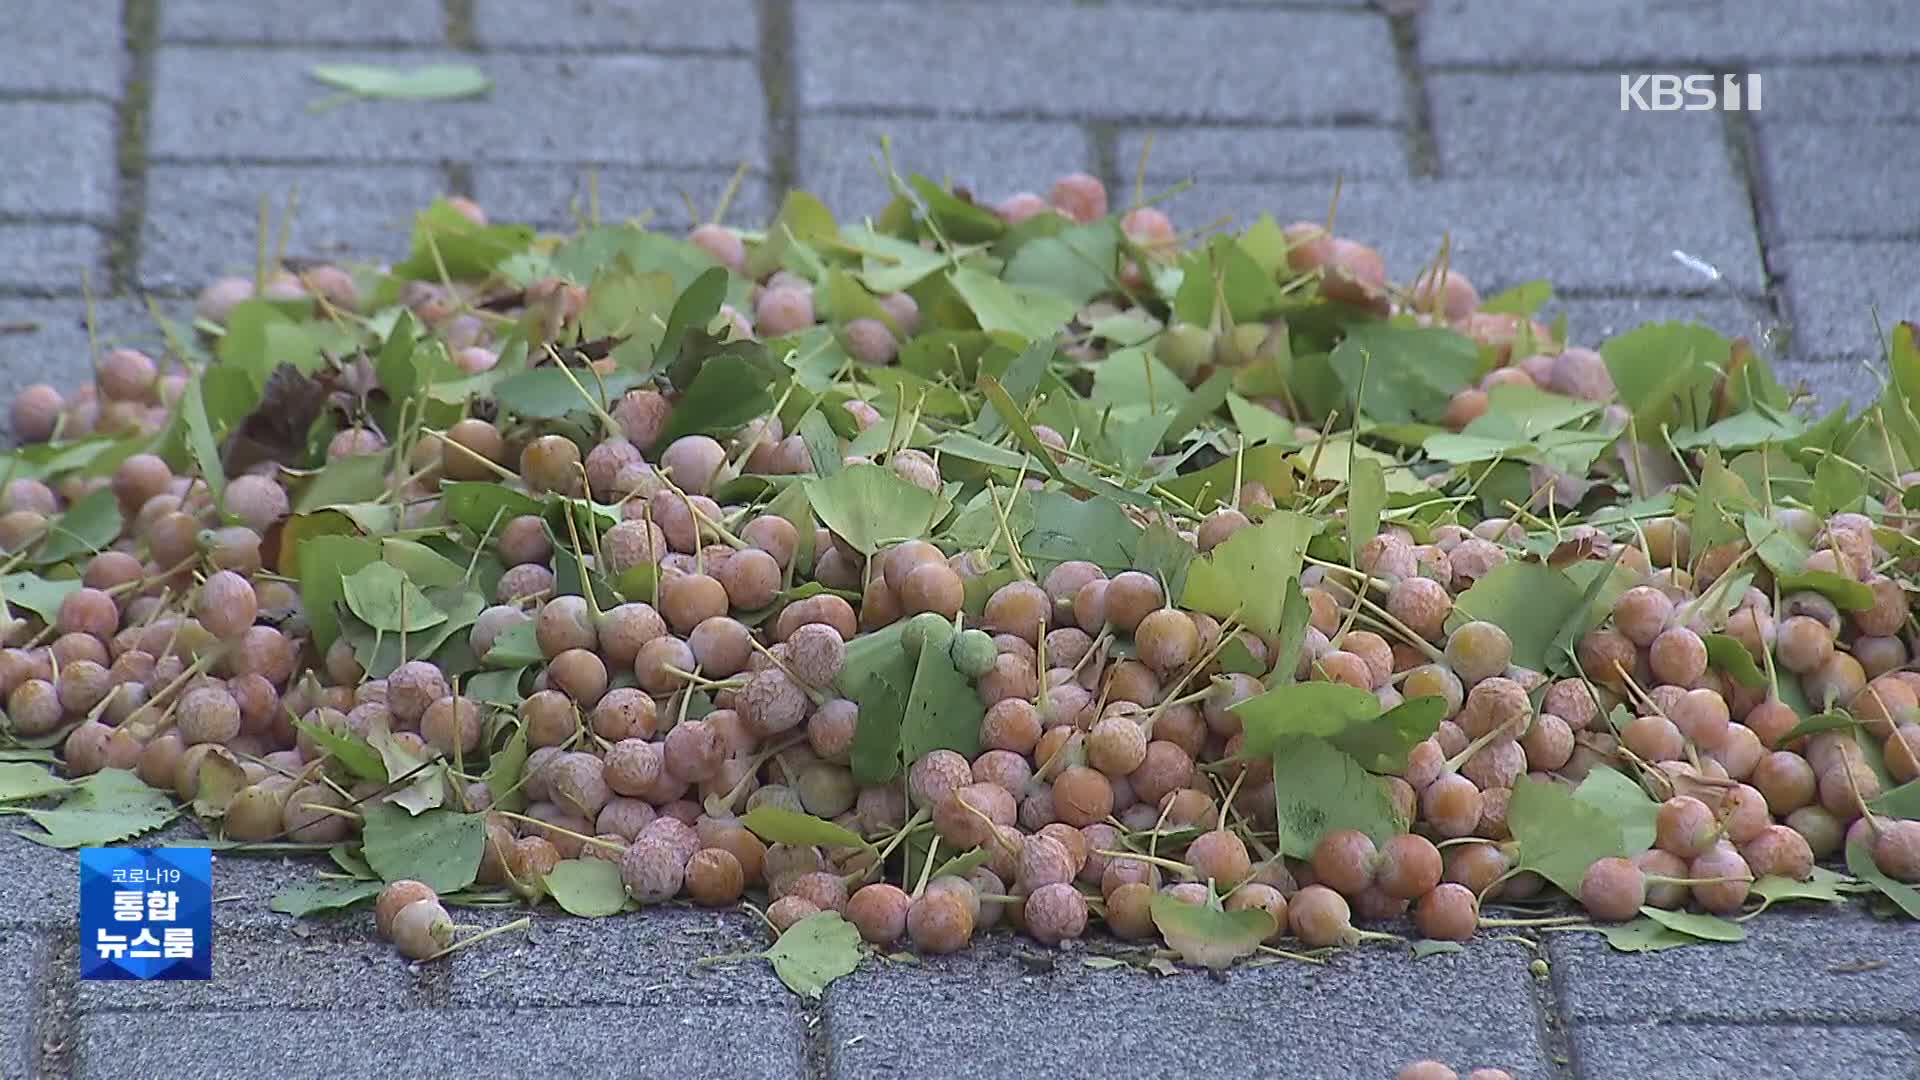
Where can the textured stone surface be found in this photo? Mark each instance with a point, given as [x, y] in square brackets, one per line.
[1795, 966]
[1241, 154]
[643, 960]
[588, 1044]
[558, 196]
[204, 221]
[63, 47]
[1291, 1019]
[1740, 1051]
[45, 259]
[840, 158]
[617, 24]
[353, 22]
[1591, 321]
[1074, 61]
[59, 160]
[1593, 233]
[42, 883]
[316, 966]
[1818, 187]
[1834, 289]
[1839, 92]
[23, 986]
[1566, 125]
[1536, 32]
[226, 104]
[46, 341]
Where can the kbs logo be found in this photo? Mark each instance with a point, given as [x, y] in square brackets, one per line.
[1689, 93]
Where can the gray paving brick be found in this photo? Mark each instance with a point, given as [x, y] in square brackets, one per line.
[59, 161]
[1840, 92]
[621, 24]
[46, 341]
[1153, 62]
[840, 156]
[1855, 382]
[556, 197]
[1572, 125]
[42, 883]
[225, 104]
[1545, 32]
[643, 959]
[43, 259]
[1845, 181]
[243, 886]
[1584, 233]
[292, 22]
[1740, 1052]
[589, 1044]
[1834, 290]
[1591, 321]
[204, 221]
[1794, 967]
[46, 56]
[317, 967]
[23, 981]
[1242, 154]
[1290, 1019]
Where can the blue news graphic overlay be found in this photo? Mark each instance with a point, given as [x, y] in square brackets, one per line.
[146, 913]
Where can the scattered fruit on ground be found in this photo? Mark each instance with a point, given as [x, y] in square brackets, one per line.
[976, 569]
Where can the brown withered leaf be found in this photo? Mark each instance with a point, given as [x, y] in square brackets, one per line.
[276, 430]
[1568, 552]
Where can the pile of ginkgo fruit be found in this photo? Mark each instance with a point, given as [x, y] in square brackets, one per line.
[1029, 565]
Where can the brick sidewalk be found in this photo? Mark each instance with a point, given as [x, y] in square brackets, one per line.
[141, 137]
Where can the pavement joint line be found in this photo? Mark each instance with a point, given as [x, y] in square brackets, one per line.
[1625, 64]
[55, 97]
[1104, 139]
[459, 177]
[1556, 1021]
[1742, 138]
[1331, 121]
[175, 160]
[427, 51]
[1421, 140]
[817, 1060]
[780, 89]
[1761, 1021]
[57, 1021]
[47, 219]
[1117, 121]
[457, 21]
[139, 26]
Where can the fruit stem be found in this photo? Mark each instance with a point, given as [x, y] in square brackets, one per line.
[1662, 879]
[818, 697]
[698, 681]
[604, 845]
[1554, 920]
[610, 426]
[1180, 868]
[926, 868]
[1458, 840]
[579, 556]
[520, 923]
[913, 824]
[485, 462]
[1285, 954]
[1511, 872]
[1474, 747]
[1000, 513]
